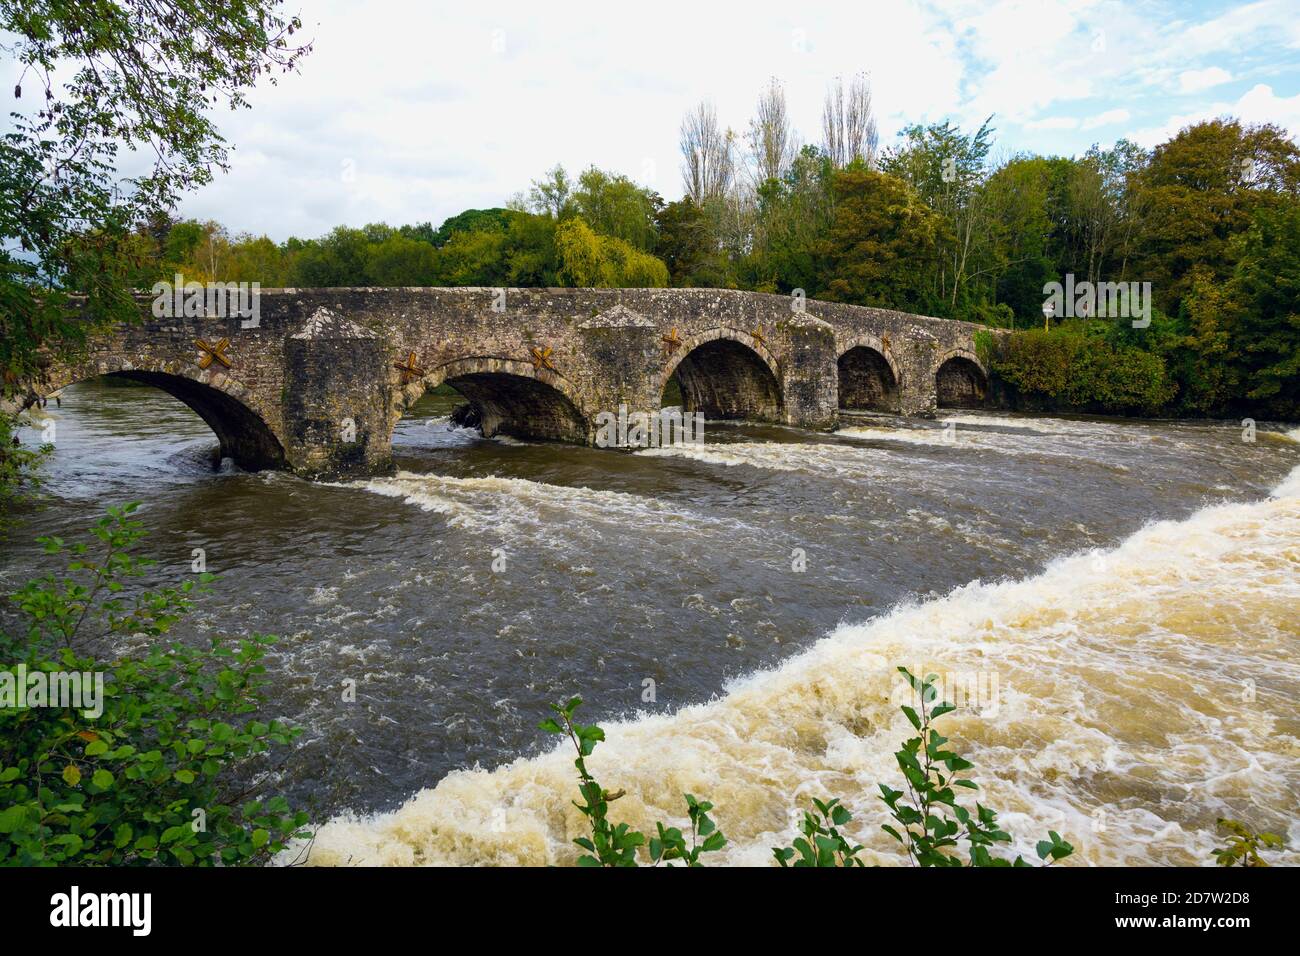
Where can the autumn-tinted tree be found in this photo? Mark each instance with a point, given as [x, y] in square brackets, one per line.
[882, 242]
[1202, 188]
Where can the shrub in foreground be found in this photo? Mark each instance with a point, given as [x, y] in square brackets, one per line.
[162, 773]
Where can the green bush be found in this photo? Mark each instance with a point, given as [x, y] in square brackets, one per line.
[1068, 368]
[160, 775]
[932, 822]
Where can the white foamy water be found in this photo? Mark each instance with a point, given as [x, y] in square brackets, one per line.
[821, 459]
[517, 507]
[1021, 437]
[1144, 692]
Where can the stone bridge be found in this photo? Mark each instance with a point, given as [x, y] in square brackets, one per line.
[319, 384]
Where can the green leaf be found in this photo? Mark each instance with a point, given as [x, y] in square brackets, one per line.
[11, 818]
[912, 716]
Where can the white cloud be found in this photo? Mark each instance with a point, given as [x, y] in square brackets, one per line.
[436, 109]
[1232, 31]
[1193, 81]
[1108, 118]
[411, 111]
[1260, 105]
[1256, 106]
[1054, 122]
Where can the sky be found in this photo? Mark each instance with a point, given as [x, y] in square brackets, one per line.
[415, 111]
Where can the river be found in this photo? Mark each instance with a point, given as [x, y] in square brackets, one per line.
[1128, 593]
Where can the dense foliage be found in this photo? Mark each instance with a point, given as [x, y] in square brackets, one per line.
[1070, 368]
[163, 774]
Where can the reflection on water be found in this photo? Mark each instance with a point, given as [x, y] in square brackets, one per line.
[1121, 668]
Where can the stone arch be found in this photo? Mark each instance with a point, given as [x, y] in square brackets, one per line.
[725, 373]
[510, 397]
[868, 375]
[960, 379]
[228, 407]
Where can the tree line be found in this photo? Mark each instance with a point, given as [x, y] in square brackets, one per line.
[931, 224]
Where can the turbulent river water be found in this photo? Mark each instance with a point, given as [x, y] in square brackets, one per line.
[1124, 597]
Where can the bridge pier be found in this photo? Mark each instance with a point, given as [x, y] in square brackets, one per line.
[336, 398]
[811, 395]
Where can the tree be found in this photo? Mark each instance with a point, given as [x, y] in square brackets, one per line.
[470, 220]
[338, 259]
[792, 220]
[1242, 348]
[588, 259]
[615, 206]
[771, 140]
[258, 259]
[688, 246]
[707, 156]
[531, 256]
[947, 167]
[399, 261]
[476, 258]
[97, 78]
[849, 123]
[1017, 260]
[1101, 211]
[1267, 282]
[882, 241]
[550, 194]
[1202, 188]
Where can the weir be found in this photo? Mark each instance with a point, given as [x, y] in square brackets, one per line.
[319, 379]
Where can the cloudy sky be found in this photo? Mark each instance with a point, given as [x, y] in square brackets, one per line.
[413, 111]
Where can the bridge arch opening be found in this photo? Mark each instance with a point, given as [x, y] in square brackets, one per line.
[867, 380]
[725, 377]
[961, 383]
[512, 398]
[243, 435]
